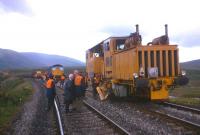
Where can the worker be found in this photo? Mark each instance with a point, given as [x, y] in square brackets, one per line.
[95, 84]
[62, 80]
[78, 83]
[50, 92]
[68, 92]
[78, 89]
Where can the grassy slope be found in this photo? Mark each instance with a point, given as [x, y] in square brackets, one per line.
[194, 65]
[190, 94]
[13, 93]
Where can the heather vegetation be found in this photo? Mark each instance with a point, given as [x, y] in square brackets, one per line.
[14, 91]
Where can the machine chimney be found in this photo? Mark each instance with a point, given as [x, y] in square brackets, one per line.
[137, 28]
[166, 30]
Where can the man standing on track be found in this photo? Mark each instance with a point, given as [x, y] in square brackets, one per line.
[50, 92]
[78, 82]
[68, 92]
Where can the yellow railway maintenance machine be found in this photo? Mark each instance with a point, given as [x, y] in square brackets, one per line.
[128, 68]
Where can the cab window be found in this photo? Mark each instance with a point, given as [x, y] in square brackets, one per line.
[120, 44]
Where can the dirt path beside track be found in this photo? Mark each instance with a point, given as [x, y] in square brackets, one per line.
[33, 119]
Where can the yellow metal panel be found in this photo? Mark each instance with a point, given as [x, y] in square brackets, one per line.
[162, 93]
[121, 66]
[159, 94]
[127, 65]
[117, 66]
[126, 68]
[124, 65]
[167, 63]
[142, 59]
[155, 64]
[114, 66]
[161, 64]
[132, 64]
[173, 70]
[95, 65]
[149, 59]
[135, 62]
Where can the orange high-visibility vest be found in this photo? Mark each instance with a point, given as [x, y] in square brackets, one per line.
[49, 83]
[78, 80]
[62, 77]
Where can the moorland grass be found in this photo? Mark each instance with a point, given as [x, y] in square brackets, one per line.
[189, 94]
[13, 93]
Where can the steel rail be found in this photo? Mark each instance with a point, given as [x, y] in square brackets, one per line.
[186, 108]
[108, 119]
[59, 118]
[186, 122]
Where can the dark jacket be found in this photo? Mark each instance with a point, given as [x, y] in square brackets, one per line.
[69, 90]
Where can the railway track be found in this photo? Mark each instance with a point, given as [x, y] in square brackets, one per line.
[114, 124]
[87, 120]
[186, 122]
[181, 121]
[190, 111]
[181, 107]
[186, 116]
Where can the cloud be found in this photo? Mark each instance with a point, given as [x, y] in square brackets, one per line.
[19, 6]
[116, 30]
[120, 30]
[188, 39]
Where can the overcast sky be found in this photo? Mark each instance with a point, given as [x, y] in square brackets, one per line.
[70, 27]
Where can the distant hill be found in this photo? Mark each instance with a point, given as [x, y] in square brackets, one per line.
[48, 60]
[14, 60]
[194, 64]
[10, 59]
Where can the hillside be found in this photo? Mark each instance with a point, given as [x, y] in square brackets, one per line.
[194, 65]
[48, 60]
[14, 60]
[10, 59]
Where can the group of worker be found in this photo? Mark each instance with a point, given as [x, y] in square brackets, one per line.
[74, 89]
